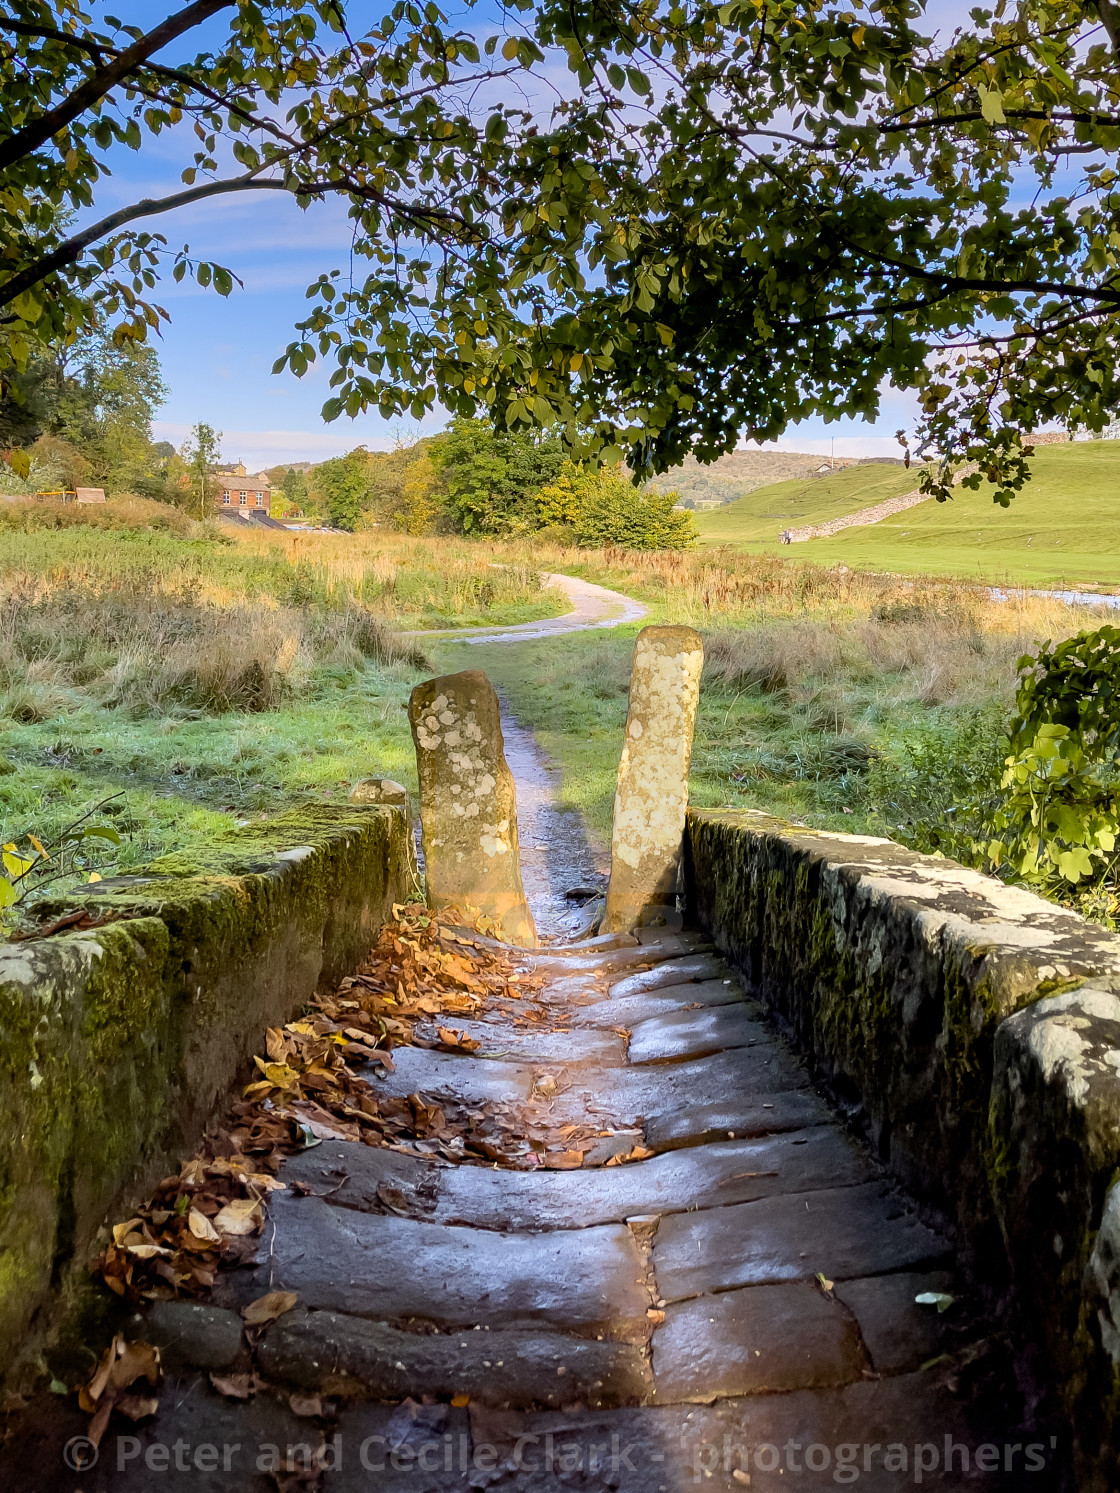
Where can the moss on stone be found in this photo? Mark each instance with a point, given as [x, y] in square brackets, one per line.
[116, 1043]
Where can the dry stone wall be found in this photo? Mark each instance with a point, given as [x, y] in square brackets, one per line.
[116, 1044]
[976, 1028]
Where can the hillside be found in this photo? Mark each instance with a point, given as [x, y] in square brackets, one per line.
[742, 472]
[756, 521]
[1062, 529]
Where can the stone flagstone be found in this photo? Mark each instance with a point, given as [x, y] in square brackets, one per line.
[652, 795]
[468, 809]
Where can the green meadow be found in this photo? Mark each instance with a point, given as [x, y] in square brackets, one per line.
[756, 520]
[1063, 529]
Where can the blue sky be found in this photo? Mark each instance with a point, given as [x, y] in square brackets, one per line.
[217, 354]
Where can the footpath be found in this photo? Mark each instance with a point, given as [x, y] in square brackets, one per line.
[711, 1285]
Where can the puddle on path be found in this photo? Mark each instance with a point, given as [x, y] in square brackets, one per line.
[555, 852]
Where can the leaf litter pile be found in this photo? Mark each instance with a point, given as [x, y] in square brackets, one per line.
[420, 976]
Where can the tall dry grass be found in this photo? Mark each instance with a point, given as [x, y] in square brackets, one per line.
[154, 659]
[943, 647]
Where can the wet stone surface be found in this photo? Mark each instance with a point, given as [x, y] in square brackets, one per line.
[732, 1305]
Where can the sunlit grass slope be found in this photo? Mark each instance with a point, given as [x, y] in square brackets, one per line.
[1063, 529]
[756, 521]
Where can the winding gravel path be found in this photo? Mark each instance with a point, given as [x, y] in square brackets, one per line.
[592, 607]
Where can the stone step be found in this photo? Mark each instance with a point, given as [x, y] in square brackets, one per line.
[713, 1176]
[397, 1270]
[335, 1354]
[762, 1340]
[735, 1114]
[627, 1010]
[839, 1232]
[672, 972]
[639, 1094]
[678, 1035]
[528, 1044]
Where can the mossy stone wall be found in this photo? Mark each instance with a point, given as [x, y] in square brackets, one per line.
[117, 1044]
[976, 1029]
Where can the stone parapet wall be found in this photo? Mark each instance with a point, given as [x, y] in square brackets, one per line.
[977, 1028]
[118, 1043]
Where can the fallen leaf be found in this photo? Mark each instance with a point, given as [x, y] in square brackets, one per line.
[460, 1400]
[121, 1231]
[825, 1285]
[935, 1298]
[655, 1316]
[136, 1407]
[307, 1405]
[563, 1161]
[201, 1227]
[242, 1216]
[268, 1308]
[235, 1386]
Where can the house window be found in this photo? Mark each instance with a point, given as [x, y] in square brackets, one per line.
[225, 499]
[241, 498]
[260, 500]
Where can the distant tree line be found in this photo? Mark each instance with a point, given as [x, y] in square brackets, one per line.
[473, 479]
[82, 412]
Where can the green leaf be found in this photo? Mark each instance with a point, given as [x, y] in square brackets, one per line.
[991, 104]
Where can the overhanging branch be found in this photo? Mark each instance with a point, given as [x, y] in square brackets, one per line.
[24, 142]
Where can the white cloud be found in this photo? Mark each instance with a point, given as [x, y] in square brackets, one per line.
[269, 448]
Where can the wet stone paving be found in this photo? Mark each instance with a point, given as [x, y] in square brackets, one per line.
[721, 1295]
[708, 1281]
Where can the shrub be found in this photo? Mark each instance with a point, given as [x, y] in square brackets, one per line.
[614, 512]
[1059, 819]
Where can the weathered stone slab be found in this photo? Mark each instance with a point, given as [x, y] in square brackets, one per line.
[526, 1044]
[706, 1177]
[643, 1093]
[840, 1232]
[333, 1353]
[601, 962]
[380, 791]
[407, 1448]
[672, 972]
[468, 809]
[652, 794]
[736, 1114]
[692, 1034]
[899, 1334]
[865, 1428]
[1054, 1143]
[192, 1335]
[419, 1070]
[764, 1340]
[396, 1270]
[628, 1010]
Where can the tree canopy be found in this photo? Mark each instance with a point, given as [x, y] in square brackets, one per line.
[731, 216]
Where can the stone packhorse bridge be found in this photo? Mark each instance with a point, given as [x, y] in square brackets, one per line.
[837, 1197]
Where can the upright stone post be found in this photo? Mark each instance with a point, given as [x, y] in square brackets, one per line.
[652, 796]
[468, 807]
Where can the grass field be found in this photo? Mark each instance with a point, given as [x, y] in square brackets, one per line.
[199, 680]
[868, 712]
[756, 521]
[1063, 529]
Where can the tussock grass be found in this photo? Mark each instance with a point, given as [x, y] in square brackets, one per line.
[126, 512]
[406, 582]
[166, 659]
